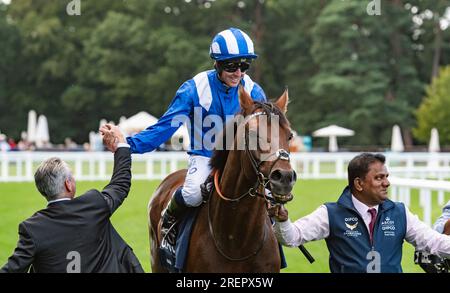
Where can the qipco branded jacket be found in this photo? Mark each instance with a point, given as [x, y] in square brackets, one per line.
[203, 103]
[351, 250]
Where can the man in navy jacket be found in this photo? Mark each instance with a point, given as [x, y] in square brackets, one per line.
[364, 230]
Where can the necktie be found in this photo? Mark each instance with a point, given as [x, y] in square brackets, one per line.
[373, 214]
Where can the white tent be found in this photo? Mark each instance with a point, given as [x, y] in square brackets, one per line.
[142, 120]
[332, 132]
[396, 140]
[42, 133]
[434, 145]
[31, 126]
[137, 123]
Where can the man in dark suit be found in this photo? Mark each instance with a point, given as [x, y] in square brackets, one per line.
[75, 234]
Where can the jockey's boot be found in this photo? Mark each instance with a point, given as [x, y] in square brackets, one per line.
[170, 215]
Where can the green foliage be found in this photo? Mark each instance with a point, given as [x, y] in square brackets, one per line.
[433, 112]
[362, 74]
[121, 57]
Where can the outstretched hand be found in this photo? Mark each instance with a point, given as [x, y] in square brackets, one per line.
[112, 136]
[278, 212]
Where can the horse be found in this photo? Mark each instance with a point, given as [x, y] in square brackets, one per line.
[233, 232]
[432, 263]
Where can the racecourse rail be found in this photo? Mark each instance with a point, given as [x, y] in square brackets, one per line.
[424, 172]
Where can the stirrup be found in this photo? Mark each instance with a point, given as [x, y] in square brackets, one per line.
[169, 229]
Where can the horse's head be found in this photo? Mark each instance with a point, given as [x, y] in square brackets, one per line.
[265, 134]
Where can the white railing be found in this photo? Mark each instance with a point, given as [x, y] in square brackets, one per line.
[401, 189]
[89, 166]
[20, 166]
[409, 165]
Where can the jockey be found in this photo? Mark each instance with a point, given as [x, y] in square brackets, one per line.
[212, 94]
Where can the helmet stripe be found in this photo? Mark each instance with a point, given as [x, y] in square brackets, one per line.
[249, 42]
[243, 48]
[230, 42]
[215, 48]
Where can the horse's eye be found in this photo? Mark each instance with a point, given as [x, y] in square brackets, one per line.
[291, 136]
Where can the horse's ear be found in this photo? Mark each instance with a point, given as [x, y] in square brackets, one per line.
[245, 100]
[283, 101]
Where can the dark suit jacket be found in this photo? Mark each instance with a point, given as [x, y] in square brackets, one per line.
[77, 235]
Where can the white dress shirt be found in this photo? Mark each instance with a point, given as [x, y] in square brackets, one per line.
[59, 199]
[315, 226]
[123, 145]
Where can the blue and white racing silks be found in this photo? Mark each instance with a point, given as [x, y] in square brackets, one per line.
[204, 103]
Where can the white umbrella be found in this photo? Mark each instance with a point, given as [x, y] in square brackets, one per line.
[433, 149]
[31, 126]
[396, 140]
[333, 131]
[137, 123]
[434, 145]
[42, 133]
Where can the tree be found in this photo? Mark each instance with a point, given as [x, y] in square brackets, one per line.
[433, 111]
[11, 74]
[286, 58]
[366, 80]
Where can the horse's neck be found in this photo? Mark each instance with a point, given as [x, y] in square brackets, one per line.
[233, 182]
[242, 220]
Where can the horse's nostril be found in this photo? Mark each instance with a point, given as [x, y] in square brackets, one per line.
[275, 175]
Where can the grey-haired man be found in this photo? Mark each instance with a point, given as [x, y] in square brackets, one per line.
[75, 235]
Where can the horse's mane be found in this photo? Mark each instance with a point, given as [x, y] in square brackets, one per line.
[220, 156]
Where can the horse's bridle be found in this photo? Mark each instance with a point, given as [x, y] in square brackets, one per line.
[262, 182]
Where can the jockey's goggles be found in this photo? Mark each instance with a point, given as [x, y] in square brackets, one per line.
[232, 66]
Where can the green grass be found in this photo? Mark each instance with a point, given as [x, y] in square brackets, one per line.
[21, 200]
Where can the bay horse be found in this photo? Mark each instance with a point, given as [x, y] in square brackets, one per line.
[233, 232]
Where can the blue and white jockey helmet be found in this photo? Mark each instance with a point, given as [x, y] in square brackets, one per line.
[230, 44]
